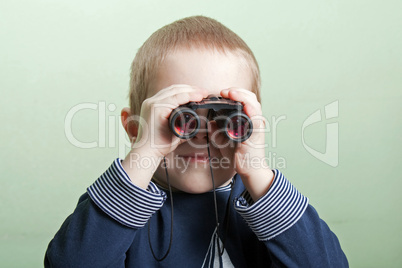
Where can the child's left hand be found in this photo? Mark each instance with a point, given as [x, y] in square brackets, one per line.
[249, 156]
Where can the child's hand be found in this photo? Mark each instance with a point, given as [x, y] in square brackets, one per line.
[155, 111]
[152, 137]
[249, 156]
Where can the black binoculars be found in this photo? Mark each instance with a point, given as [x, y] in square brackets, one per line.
[184, 122]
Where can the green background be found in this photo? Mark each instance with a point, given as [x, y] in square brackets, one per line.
[55, 55]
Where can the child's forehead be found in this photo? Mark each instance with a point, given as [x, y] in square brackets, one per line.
[205, 68]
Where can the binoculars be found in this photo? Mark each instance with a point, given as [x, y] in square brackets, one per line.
[184, 122]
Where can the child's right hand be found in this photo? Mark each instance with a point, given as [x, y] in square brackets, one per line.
[153, 137]
[154, 133]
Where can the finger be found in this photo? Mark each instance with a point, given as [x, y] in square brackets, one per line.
[175, 97]
[251, 105]
[245, 91]
[175, 100]
[176, 89]
[169, 89]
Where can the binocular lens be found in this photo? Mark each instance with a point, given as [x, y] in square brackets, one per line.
[238, 128]
[185, 125]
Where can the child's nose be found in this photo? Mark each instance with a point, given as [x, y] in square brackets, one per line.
[203, 130]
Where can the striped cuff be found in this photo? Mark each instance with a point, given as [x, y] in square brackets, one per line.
[115, 194]
[275, 212]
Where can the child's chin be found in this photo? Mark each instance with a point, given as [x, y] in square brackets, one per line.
[199, 187]
[195, 189]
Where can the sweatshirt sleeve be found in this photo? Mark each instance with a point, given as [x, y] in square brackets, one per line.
[104, 223]
[291, 228]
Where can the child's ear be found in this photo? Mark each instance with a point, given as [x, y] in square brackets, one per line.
[129, 124]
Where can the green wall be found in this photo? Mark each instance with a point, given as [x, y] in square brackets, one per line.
[342, 55]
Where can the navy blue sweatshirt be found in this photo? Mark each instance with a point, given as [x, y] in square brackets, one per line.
[115, 220]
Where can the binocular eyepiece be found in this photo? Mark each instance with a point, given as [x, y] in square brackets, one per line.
[185, 123]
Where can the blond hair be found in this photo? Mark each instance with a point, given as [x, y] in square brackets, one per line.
[198, 32]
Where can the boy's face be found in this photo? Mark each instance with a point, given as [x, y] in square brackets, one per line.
[188, 165]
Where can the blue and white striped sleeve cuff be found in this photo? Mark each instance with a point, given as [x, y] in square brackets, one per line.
[278, 210]
[115, 194]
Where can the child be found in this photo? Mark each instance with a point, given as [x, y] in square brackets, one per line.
[225, 206]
